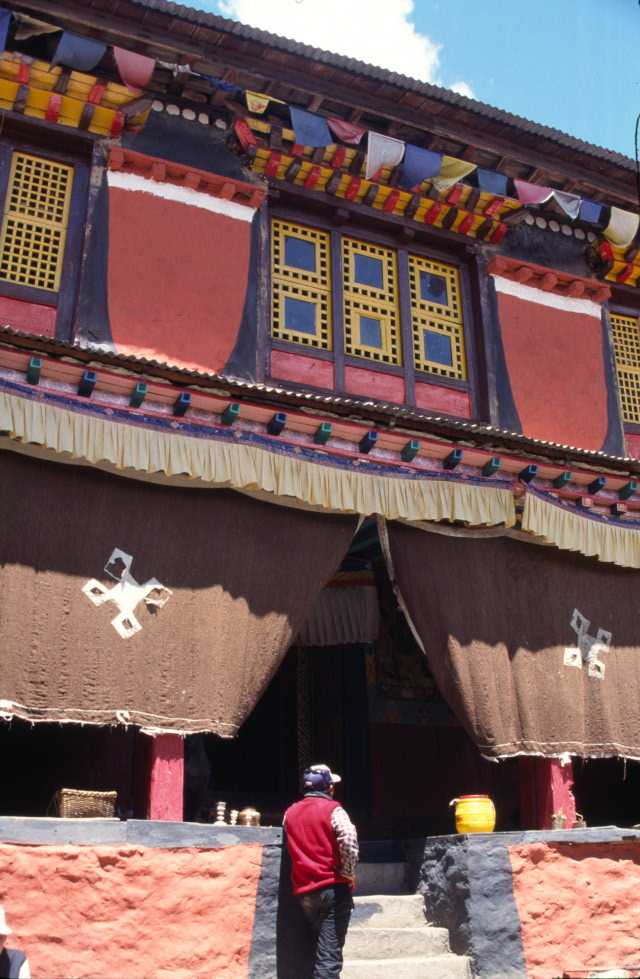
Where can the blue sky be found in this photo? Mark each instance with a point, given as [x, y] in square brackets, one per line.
[572, 64]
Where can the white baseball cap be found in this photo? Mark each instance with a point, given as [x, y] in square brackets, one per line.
[325, 775]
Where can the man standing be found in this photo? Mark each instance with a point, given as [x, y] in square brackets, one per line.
[323, 846]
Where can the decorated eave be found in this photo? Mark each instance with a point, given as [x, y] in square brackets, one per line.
[253, 59]
[152, 421]
[211, 70]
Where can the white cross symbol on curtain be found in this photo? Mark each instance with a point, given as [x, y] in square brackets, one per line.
[589, 648]
[126, 594]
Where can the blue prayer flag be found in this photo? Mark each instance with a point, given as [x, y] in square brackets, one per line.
[590, 211]
[418, 165]
[492, 182]
[79, 53]
[310, 130]
[5, 20]
[223, 86]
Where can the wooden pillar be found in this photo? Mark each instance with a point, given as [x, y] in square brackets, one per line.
[546, 788]
[166, 778]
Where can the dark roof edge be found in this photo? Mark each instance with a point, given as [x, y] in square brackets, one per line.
[189, 14]
[382, 413]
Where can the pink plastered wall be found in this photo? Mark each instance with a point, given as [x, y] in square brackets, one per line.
[578, 906]
[96, 912]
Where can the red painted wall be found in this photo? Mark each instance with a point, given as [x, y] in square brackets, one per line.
[445, 401]
[30, 317]
[578, 905]
[301, 369]
[177, 279]
[99, 912]
[374, 384]
[554, 360]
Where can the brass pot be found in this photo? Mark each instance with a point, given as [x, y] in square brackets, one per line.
[249, 817]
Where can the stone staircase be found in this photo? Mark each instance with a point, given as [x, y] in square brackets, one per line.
[389, 937]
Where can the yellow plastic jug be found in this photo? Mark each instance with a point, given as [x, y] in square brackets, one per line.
[474, 814]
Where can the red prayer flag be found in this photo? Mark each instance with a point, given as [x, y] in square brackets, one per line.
[348, 132]
[135, 69]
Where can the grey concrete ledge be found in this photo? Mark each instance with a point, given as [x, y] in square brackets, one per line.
[140, 832]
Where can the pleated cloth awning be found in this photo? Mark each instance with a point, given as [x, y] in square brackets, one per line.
[126, 602]
[345, 612]
[535, 650]
[283, 472]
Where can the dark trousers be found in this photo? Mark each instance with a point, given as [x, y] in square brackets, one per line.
[328, 911]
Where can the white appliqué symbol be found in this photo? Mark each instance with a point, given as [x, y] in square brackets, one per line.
[126, 594]
[589, 648]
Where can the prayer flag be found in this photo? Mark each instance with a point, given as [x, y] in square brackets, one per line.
[492, 182]
[222, 85]
[418, 165]
[257, 102]
[382, 151]
[135, 69]
[79, 53]
[570, 203]
[532, 193]
[347, 132]
[310, 129]
[622, 227]
[5, 20]
[590, 211]
[451, 171]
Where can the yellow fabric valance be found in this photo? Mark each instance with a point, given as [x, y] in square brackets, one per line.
[574, 532]
[250, 468]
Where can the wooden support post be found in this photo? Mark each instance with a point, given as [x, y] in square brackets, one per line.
[545, 789]
[166, 778]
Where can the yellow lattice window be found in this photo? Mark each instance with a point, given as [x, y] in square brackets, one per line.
[371, 317]
[436, 316]
[34, 225]
[301, 284]
[626, 343]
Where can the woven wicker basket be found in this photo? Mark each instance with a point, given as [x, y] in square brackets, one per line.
[82, 804]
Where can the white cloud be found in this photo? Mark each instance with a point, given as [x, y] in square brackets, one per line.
[462, 88]
[376, 31]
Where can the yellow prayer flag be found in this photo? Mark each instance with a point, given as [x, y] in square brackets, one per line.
[451, 171]
[257, 102]
[622, 227]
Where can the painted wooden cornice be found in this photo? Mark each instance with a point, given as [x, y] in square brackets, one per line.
[549, 280]
[165, 171]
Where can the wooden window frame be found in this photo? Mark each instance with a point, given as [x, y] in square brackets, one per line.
[407, 370]
[617, 309]
[63, 300]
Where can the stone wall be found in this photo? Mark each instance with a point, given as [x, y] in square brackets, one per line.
[537, 904]
[95, 899]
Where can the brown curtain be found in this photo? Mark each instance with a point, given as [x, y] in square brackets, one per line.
[236, 580]
[494, 618]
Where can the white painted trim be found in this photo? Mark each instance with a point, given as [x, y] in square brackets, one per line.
[531, 295]
[182, 195]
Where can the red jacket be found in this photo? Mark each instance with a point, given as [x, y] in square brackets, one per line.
[312, 844]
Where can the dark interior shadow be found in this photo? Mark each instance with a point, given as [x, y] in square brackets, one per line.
[294, 939]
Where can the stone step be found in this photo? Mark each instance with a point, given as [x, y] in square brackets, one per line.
[418, 967]
[392, 943]
[388, 911]
[381, 878]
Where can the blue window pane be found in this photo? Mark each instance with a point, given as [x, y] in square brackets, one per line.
[299, 254]
[433, 288]
[299, 315]
[370, 331]
[437, 348]
[368, 271]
